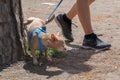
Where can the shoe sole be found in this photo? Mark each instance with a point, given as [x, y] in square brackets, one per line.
[88, 48]
[59, 25]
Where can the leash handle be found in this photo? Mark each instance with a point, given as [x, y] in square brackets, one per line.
[50, 16]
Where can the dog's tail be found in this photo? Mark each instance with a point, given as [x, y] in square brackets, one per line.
[49, 20]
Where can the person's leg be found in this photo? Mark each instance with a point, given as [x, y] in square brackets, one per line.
[90, 38]
[81, 8]
[65, 21]
[83, 11]
[73, 11]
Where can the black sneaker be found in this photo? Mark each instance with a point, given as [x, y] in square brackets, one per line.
[95, 43]
[65, 26]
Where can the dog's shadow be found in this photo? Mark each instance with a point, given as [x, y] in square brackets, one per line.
[41, 70]
[73, 63]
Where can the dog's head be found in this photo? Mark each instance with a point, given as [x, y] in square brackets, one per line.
[57, 42]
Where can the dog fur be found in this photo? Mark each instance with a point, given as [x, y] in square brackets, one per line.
[48, 40]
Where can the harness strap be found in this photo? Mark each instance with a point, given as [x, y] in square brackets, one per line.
[39, 31]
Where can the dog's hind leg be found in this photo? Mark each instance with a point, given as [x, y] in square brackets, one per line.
[33, 49]
[35, 61]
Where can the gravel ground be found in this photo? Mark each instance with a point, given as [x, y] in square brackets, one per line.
[79, 64]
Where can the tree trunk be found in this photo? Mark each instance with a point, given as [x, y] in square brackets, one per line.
[11, 31]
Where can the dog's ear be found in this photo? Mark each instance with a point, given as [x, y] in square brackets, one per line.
[59, 34]
[29, 20]
[53, 37]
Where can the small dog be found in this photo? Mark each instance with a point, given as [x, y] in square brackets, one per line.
[38, 39]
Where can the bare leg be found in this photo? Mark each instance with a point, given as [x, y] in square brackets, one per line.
[84, 15]
[81, 7]
[73, 12]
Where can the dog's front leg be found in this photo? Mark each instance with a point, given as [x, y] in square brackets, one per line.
[47, 56]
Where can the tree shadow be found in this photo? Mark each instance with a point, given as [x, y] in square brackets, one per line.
[73, 63]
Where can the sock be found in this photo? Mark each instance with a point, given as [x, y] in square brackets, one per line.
[66, 19]
[89, 36]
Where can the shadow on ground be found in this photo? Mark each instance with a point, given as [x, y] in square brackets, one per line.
[73, 63]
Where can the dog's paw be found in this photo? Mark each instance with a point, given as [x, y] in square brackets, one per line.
[35, 62]
[49, 58]
[40, 64]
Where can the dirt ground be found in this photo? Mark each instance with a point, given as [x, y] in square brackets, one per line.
[79, 64]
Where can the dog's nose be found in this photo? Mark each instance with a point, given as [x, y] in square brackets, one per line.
[65, 49]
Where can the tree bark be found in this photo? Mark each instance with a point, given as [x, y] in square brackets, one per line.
[11, 31]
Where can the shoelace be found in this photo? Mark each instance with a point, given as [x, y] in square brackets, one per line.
[74, 24]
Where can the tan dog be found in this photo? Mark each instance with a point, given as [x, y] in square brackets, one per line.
[48, 40]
